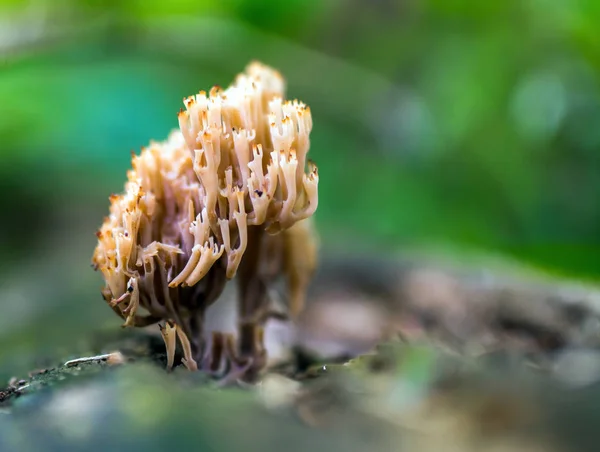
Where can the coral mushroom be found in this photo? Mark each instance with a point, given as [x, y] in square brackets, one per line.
[225, 195]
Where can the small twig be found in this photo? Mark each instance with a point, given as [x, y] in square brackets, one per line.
[111, 358]
[22, 388]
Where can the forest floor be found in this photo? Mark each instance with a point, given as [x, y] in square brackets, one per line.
[386, 356]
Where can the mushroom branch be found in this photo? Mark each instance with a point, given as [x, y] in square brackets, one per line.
[229, 193]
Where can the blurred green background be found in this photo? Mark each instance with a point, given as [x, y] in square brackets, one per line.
[460, 123]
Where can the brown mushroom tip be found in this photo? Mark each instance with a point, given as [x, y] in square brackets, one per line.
[189, 101]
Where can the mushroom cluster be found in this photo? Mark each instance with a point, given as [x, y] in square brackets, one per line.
[224, 196]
